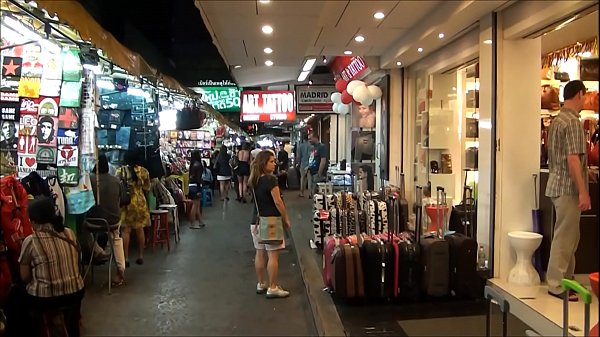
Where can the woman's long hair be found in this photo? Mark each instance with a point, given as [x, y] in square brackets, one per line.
[222, 153]
[258, 166]
[131, 160]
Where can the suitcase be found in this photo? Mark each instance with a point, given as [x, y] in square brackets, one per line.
[330, 244]
[435, 259]
[347, 276]
[408, 259]
[293, 179]
[403, 203]
[321, 228]
[463, 218]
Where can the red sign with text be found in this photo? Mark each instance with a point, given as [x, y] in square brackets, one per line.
[349, 68]
[267, 106]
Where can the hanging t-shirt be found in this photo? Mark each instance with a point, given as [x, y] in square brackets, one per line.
[57, 194]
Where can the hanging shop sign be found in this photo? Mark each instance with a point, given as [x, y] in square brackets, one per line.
[349, 68]
[223, 99]
[221, 83]
[265, 106]
[314, 98]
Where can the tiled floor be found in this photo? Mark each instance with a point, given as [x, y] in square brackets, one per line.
[204, 286]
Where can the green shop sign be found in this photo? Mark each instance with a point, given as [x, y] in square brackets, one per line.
[223, 99]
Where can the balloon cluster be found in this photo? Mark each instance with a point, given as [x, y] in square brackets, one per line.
[356, 91]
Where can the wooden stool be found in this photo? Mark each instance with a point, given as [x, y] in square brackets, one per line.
[173, 209]
[160, 228]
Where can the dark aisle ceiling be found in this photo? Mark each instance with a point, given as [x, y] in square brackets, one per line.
[170, 35]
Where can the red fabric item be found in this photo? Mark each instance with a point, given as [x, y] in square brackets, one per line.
[15, 219]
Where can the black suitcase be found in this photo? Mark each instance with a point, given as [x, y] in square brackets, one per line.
[463, 218]
[403, 211]
[409, 264]
[435, 258]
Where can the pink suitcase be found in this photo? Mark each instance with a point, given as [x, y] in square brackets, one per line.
[330, 243]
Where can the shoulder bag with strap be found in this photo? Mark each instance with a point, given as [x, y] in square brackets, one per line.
[125, 188]
[270, 228]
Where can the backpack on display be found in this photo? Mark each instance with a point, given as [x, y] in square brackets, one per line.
[207, 175]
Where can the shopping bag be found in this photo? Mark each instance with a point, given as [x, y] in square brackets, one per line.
[81, 197]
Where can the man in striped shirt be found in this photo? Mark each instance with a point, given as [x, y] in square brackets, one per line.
[567, 185]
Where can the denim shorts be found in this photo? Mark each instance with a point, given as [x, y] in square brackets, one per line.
[194, 192]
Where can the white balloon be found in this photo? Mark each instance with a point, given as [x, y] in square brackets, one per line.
[375, 91]
[353, 85]
[367, 101]
[361, 93]
[335, 107]
[336, 97]
[344, 109]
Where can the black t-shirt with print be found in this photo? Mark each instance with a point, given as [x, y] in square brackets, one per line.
[264, 199]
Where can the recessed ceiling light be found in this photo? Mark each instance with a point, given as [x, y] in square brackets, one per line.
[487, 41]
[348, 52]
[420, 50]
[267, 29]
[359, 38]
[268, 63]
[379, 15]
[268, 50]
[398, 63]
[264, 1]
[237, 66]
[441, 35]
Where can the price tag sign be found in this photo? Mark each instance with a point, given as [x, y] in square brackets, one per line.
[323, 215]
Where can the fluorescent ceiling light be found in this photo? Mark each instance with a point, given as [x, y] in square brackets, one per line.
[487, 41]
[268, 63]
[441, 35]
[398, 63]
[348, 52]
[268, 50]
[379, 15]
[308, 64]
[237, 66]
[420, 50]
[303, 75]
[31, 35]
[359, 38]
[264, 1]
[267, 29]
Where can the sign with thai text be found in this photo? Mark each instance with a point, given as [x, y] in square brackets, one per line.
[223, 99]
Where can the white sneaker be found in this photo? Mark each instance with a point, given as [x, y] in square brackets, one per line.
[197, 226]
[277, 293]
[261, 288]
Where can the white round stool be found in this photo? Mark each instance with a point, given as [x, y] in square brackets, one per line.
[524, 244]
[172, 208]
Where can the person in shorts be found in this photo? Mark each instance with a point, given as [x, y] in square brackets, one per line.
[194, 189]
[268, 203]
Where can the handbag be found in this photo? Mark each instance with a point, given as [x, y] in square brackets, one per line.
[125, 187]
[588, 69]
[472, 157]
[446, 163]
[270, 228]
[472, 128]
[81, 197]
[561, 76]
[549, 97]
[472, 99]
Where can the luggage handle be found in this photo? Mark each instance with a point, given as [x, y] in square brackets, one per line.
[440, 219]
[418, 212]
[586, 296]
[490, 294]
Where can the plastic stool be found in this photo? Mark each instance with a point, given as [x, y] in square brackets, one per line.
[325, 188]
[173, 209]
[207, 197]
[160, 228]
[187, 208]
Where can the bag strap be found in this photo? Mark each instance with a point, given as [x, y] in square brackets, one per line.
[66, 239]
[255, 202]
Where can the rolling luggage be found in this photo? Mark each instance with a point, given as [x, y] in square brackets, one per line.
[403, 204]
[409, 264]
[435, 258]
[347, 276]
[463, 217]
[321, 228]
[463, 278]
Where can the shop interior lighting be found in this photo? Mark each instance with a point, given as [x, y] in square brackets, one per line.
[310, 82]
[138, 92]
[303, 75]
[27, 33]
[106, 84]
[585, 54]
[441, 35]
[379, 15]
[237, 66]
[268, 63]
[420, 50]
[96, 69]
[487, 41]
[348, 52]
[267, 29]
[308, 64]
[398, 63]
[359, 38]
[264, 1]
[268, 50]
[324, 59]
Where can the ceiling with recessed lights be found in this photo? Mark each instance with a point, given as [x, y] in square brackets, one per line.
[268, 42]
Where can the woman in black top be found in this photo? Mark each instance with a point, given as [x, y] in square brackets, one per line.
[269, 203]
[194, 190]
[243, 171]
[224, 172]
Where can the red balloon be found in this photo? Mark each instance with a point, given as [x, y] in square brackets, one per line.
[346, 97]
[341, 85]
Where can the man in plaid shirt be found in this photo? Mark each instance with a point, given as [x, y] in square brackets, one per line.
[567, 185]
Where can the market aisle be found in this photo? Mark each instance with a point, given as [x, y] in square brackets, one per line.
[205, 286]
